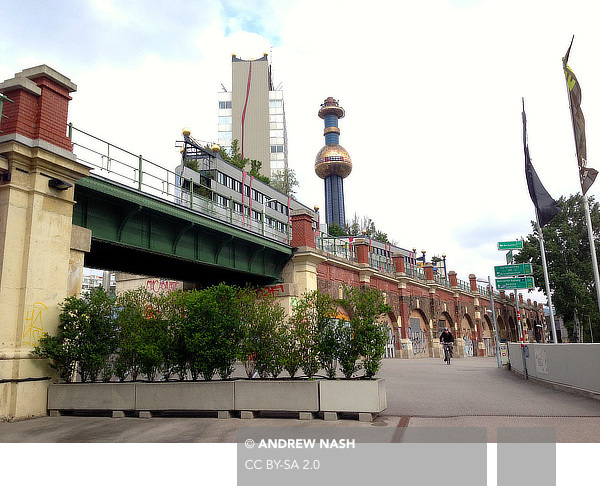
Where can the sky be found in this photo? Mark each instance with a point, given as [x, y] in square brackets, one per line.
[432, 93]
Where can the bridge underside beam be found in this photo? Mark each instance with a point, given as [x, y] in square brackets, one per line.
[136, 233]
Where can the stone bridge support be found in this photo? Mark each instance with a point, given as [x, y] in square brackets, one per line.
[41, 258]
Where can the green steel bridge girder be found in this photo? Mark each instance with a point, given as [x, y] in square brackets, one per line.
[141, 234]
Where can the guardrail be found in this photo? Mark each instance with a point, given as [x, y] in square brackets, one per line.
[136, 172]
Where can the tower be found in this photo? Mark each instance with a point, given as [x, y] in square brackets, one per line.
[253, 114]
[333, 163]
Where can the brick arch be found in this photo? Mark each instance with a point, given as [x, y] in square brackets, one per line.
[419, 335]
[503, 332]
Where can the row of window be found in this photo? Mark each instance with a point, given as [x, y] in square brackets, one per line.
[225, 104]
[257, 196]
[276, 148]
[334, 159]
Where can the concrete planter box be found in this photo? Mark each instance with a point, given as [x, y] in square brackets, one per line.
[92, 396]
[185, 396]
[277, 395]
[352, 396]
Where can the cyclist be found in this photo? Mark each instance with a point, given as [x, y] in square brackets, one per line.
[447, 340]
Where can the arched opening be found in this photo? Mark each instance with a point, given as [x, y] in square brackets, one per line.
[468, 334]
[418, 333]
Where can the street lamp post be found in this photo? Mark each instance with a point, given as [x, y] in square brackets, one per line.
[263, 213]
[489, 281]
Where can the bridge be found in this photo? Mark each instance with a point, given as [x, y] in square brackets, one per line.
[144, 221]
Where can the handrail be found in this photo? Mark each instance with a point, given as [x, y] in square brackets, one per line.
[135, 171]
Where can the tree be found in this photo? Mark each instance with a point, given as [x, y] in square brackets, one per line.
[569, 261]
[285, 181]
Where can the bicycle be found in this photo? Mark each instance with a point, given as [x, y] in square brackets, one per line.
[447, 352]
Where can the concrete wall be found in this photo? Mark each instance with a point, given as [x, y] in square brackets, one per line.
[572, 365]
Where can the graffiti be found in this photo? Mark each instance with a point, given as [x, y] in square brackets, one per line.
[33, 324]
[159, 286]
[271, 290]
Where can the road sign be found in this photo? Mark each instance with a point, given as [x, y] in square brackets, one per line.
[515, 283]
[511, 245]
[513, 270]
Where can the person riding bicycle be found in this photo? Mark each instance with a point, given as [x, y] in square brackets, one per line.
[447, 340]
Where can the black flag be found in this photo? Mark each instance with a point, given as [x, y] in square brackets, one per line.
[545, 206]
[587, 175]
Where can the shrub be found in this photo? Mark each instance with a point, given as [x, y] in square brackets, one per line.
[369, 336]
[262, 344]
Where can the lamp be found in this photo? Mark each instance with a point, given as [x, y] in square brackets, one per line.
[59, 184]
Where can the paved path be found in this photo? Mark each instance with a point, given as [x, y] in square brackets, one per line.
[420, 392]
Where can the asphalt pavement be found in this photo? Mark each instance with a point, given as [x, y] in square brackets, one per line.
[420, 393]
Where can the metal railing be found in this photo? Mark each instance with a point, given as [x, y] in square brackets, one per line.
[336, 246]
[134, 171]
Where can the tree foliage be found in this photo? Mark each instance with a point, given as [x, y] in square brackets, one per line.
[285, 181]
[237, 160]
[569, 261]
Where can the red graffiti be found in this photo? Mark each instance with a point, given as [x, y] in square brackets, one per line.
[270, 290]
[161, 286]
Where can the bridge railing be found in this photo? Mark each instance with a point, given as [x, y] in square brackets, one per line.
[336, 246]
[134, 171]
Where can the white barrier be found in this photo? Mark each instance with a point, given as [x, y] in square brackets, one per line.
[570, 365]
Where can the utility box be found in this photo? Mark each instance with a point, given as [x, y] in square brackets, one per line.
[503, 354]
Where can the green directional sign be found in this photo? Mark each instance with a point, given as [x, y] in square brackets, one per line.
[511, 245]
[513, 270]
[515, 283]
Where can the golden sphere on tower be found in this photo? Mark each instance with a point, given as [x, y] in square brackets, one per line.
[333, 159]
[186, 131]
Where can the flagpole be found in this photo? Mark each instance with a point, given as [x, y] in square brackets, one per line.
[547, 281]
[588, 220]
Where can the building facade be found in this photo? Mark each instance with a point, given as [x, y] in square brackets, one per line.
[253, 113]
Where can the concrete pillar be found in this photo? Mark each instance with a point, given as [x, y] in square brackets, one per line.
[37, 266]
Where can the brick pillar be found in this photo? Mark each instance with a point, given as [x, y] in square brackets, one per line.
[362, 250]
[503, 294]
[41, 253]
[303, 232]
[429, 271]
[399, 263]
[520, 299]
[473, 282]
[453, 279]
[40, 105]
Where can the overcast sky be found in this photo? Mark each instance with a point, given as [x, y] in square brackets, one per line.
[432, 93]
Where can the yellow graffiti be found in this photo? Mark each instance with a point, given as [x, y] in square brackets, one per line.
[33, 324]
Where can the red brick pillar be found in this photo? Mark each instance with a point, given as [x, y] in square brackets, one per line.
[429, 271]
[40, 105]
[473, 282]
[303, 232]
[362, 250]
[453, 279]
[503, 294]
[399, 262]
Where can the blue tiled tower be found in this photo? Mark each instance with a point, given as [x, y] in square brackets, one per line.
[333, 163]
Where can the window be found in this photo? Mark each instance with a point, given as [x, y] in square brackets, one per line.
[276, 148]
[225, 104]
[225, 120]
[275, 103]
[225, 135]
[221, 178]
